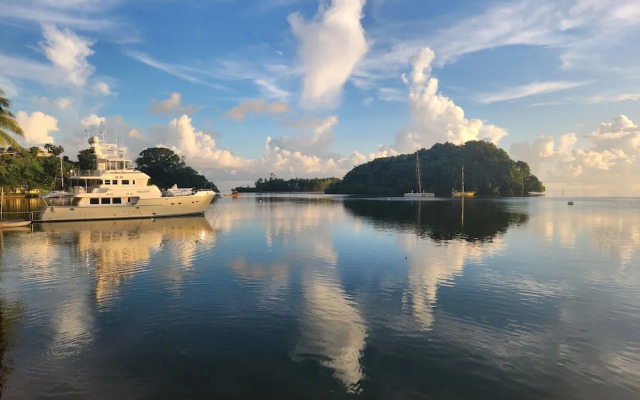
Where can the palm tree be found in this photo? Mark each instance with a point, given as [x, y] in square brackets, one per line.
[8, 123]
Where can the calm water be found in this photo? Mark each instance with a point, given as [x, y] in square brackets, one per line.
[318, 297]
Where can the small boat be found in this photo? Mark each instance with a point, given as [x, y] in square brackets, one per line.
[13, 223]
[462, 193]
[10, 223]
[419, 193]
[56, 194]
[176, 191]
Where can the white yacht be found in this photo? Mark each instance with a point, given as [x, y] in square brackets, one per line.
[116, 191]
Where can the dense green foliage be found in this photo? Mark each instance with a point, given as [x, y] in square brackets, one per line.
[275, 184]
[23, 169]
[87, 159]
[166, 169]
[488, 171]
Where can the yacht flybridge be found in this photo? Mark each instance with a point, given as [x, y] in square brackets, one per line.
[116, 190]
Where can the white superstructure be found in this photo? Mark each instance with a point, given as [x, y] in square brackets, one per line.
[116, 190]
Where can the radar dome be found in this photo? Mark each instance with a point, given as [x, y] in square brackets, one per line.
[93, 140]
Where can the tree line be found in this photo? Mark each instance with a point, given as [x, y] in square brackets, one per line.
[275, 184]
[25, 169]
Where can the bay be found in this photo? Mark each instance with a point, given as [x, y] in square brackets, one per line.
[312, 296]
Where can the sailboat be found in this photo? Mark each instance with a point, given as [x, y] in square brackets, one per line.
[419, 193]
[462, 193]
[56, 194]
[10, 223]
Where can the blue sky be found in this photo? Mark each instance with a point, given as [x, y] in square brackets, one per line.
[307, 88]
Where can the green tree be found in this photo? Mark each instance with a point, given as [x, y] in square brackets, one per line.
[8, 124]
[87, 159]
[53, 149]
[166, 169]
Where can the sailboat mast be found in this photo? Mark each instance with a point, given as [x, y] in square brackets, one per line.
[61, 176]
[418, 172]
[462, 179]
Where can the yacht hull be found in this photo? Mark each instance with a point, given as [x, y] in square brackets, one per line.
[144, 208]
[419, 195]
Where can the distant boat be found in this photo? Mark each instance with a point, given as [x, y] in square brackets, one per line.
[462, 193]
[570, 203]
[419, 193]
[535, 193]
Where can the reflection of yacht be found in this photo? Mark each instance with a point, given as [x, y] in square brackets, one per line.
[116, 190]
[119, 249]
[419, 193]
[462, 193]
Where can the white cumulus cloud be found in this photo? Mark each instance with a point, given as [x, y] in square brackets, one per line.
[92, 120]
[330, 48]
[198, 147]
[37, 127]
[172, 105]
[436, 118]
[606, 162]
[69, 53]
[103, 88]
[308, 155]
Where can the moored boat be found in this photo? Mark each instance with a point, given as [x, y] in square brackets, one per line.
[420, 193]
[462, 193]
[117, 191]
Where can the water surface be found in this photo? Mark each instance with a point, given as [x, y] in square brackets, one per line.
[325, 297]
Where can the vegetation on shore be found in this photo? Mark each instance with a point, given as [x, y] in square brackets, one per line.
[275, 184]
[488, 170]
[23, 170]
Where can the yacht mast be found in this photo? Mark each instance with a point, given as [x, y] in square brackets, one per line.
[418, 172]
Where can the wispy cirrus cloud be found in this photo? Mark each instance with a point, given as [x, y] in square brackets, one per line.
[531, 89]
[579, 32]
[249, 107]
[181, 71]
[614, 98]
[83, 15]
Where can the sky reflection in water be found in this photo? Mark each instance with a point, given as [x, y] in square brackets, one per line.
[321, 297]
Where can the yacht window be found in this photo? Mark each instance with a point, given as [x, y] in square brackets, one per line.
[105, 200]
[125, 181]
[134, 181]
[117, 200]
[107, 182]
[94, 201]
[115, 182]
[129, 199]
[101, 182]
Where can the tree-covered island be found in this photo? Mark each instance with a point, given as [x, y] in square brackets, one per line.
[488, 170]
